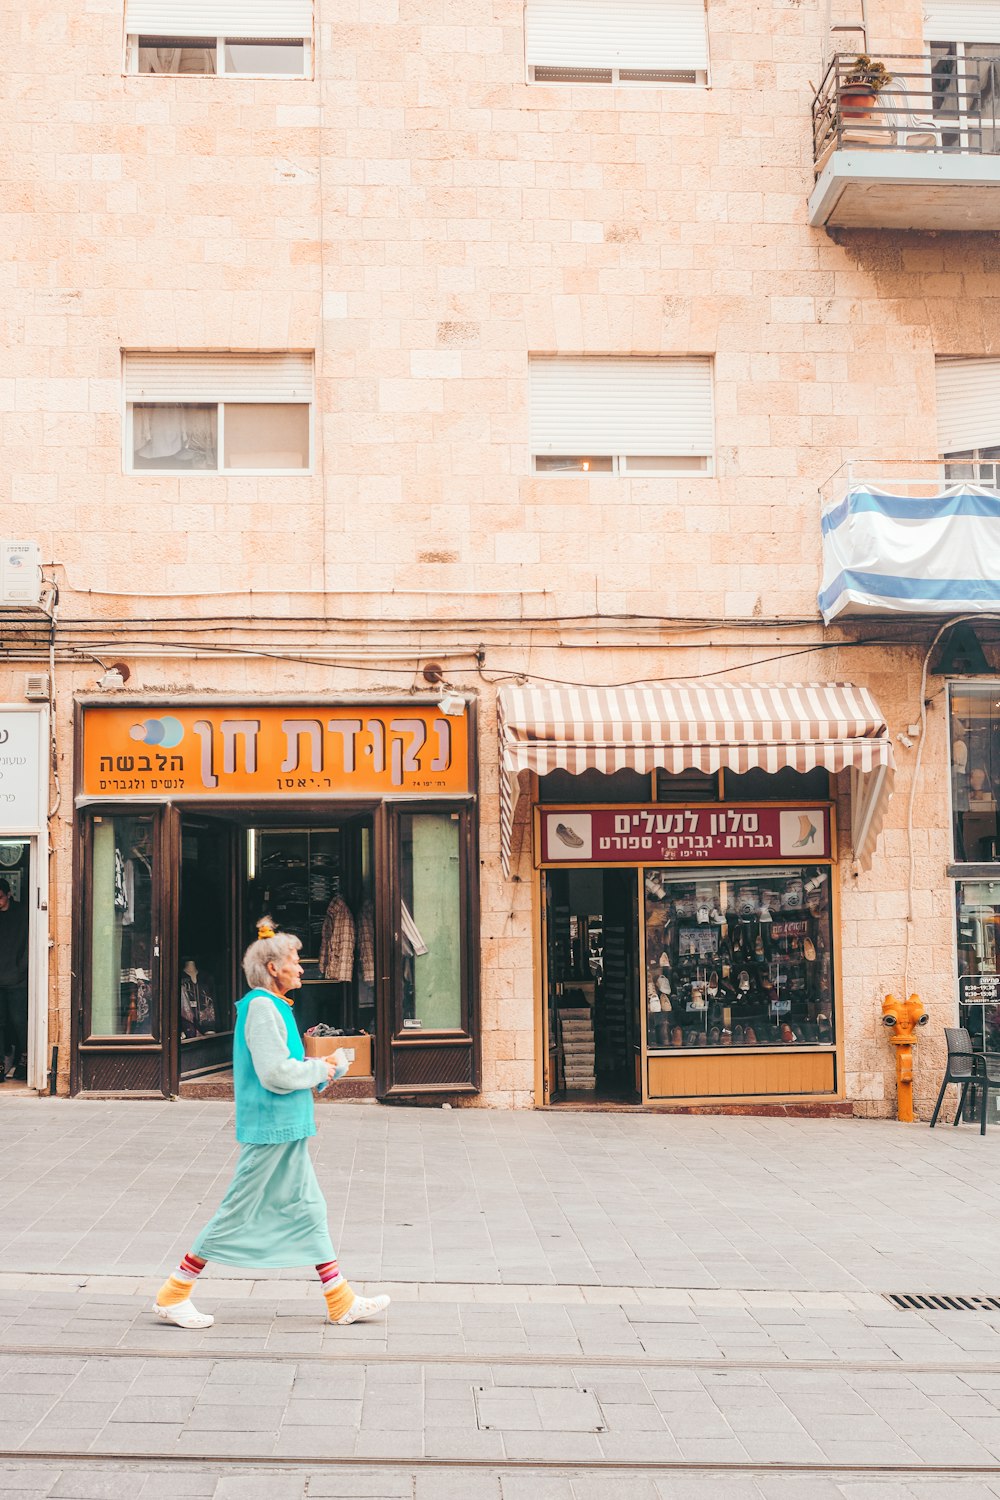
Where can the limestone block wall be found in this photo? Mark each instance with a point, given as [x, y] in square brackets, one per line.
[424, 220]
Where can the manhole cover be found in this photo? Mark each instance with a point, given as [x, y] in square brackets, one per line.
[537, 1408]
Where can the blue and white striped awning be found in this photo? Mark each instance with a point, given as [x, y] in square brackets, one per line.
[886, 553]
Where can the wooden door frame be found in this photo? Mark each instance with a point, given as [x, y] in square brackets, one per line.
[391, 1040]
[164, 828]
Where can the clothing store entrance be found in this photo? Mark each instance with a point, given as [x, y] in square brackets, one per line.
[378, 893]
[315, 879]
[591, 943]
[353, 825]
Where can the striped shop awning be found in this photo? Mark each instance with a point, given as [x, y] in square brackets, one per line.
[702, 726]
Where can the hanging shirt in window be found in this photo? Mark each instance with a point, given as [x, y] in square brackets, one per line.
[336, 947]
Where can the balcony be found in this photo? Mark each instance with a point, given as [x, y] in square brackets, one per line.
[917, 539]
[921, 153]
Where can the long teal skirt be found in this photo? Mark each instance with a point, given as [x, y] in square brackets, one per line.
[273, 1213]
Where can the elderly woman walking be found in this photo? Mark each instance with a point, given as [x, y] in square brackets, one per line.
[273, 1213]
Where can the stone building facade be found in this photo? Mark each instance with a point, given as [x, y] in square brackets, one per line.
[422, 221]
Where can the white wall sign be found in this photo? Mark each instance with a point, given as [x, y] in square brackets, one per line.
[23, 772]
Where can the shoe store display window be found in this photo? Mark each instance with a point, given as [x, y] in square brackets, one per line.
[724, 982]
[739, 958]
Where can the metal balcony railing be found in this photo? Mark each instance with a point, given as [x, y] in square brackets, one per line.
[910, 479]
[947, 101]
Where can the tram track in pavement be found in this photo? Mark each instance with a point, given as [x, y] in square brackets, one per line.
[522, 1361]
[357, 1354]
[277, 1463]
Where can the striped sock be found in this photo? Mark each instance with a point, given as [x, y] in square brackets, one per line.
[177, 1288]
[338, 1294]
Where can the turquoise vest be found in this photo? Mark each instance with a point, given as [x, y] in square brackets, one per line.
[263, 1118]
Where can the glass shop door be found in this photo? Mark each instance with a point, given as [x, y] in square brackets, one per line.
[121, 1026]
[428, 1027]
[206, 977]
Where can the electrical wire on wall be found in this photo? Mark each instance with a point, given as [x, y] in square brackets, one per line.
[51, 607]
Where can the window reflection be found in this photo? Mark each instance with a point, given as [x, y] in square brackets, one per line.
[251, 56]
[121, 948]
[430, 919]
[978, 927]
[975, 769]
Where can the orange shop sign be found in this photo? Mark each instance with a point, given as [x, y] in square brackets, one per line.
[362, 750]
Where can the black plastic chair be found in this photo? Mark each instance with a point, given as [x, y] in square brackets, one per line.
[968, 1069]
[987, 1077]
[960, 1068]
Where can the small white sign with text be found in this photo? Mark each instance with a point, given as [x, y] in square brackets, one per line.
[22, 778]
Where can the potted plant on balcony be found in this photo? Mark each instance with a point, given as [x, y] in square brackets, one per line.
[864, 81]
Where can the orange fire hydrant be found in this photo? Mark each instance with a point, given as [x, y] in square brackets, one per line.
[904, 1016]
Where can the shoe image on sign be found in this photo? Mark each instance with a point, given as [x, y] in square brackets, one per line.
[568, 837]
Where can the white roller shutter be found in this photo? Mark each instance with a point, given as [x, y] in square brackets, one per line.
[282, 19]
[617, 34]
[651, 407]
[218, 377]
[968, 404]
[961, 21]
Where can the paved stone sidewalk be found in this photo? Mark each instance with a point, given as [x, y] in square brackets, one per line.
[580, 1414]
[532, 1197]
[680, 1330]
[573, 1293]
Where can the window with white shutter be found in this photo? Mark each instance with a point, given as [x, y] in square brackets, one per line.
[963, 42]
[224, 413]
[968, 414]
[256, 38]
[629, 415]
[616, 41]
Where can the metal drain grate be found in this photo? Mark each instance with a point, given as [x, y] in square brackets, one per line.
[941, 1302]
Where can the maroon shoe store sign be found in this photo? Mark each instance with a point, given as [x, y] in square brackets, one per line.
[679, 835]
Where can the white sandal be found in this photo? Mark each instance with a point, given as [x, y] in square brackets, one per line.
[183, 1315]
[363, 1308]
